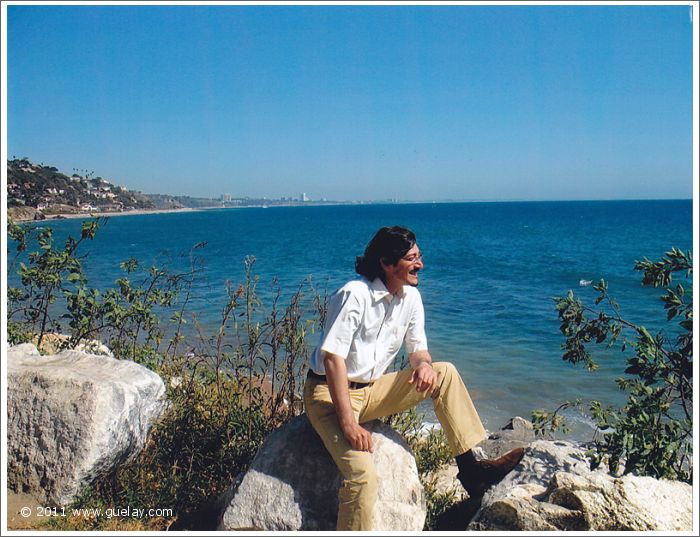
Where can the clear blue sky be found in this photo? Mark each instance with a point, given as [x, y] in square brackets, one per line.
[358, 102]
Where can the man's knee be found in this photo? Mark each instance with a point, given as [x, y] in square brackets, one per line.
[445, 369]
[365, 476]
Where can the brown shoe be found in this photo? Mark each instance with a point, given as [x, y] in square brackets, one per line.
[486, 473]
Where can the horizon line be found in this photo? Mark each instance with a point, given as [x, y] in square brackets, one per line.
[395, 202]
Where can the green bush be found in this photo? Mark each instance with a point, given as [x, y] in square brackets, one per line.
[209, 435]
[49, 274]
[652, 433]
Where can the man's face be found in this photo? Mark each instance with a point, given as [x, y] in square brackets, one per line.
[405, 272]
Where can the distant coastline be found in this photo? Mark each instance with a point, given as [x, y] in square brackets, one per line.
[31, 214]
[95, 214]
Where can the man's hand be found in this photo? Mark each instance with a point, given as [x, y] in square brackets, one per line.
[424, 377]
[359, 437]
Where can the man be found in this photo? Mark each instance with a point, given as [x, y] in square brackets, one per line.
[367, 322]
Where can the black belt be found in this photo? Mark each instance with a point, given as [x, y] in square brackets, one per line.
[351, 385]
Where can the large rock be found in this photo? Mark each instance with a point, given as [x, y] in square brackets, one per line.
[554, 489]
[518, 432]
[22, 214]
[72, 417]
[544, 458]
[293, 484]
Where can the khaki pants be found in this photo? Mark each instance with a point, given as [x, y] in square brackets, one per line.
[390, 394]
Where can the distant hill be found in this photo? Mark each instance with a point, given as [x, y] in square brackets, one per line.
[35, 191]
[44, 188]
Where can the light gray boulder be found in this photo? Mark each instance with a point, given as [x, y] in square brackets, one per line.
[518, 432]
[293, 484]
[544, 458]
[553, 488]
[74, 416]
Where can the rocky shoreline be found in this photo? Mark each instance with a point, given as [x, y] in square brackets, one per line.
[75, 416]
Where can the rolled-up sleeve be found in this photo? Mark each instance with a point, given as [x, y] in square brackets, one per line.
[342, 321]
[415, 339]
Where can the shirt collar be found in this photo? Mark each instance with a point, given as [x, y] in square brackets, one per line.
[379, 290]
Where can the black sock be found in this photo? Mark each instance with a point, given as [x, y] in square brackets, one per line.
[466, 461]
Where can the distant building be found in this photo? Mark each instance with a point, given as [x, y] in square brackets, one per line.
[225, 197]
[304, 197]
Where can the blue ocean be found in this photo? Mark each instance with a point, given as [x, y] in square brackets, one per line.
[491, 272]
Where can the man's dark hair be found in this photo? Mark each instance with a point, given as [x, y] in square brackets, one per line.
[389, 244]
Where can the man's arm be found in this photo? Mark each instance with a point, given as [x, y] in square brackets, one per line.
[337, 378]
[424, 376]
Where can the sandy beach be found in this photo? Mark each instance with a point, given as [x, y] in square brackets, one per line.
[95, 214]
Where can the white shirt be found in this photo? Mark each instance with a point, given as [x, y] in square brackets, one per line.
[366, 325]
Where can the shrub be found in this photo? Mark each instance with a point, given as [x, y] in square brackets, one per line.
[48, 274]
[652, 433]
